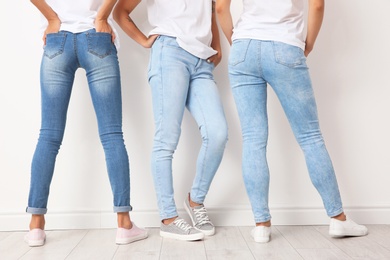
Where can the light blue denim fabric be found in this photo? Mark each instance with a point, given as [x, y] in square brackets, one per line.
[253, 64]
[64, 53]
[180, 80]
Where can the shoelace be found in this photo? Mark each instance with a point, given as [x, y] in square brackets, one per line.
[182, 224]
[201, 216]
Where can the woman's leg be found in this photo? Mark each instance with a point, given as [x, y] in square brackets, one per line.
[287, 73]
[205, 105]
[250, 95]
[97, 55]
[57, 74]
[169, 81]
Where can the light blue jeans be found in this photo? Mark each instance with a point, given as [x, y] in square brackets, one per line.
[180, 80]
[64, 53]
[253, 64]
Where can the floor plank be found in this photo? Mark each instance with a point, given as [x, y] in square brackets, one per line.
[96, 244]
[306, 237]
[59, 244]
[12, 246]
[229, 243]
[358, 247]
[229, 255]
[380, 234]
[323, 254]
[278, 247]
[182, 250]
[226, 238]
[147, 249]
[3, 235]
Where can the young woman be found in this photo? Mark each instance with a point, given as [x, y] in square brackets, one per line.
[269, 47]
[185, 49]
[80, 35]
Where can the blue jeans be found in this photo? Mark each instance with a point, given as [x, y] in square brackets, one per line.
[180, 80]
[64, 53]
[253, 64]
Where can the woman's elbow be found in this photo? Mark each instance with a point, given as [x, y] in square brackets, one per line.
[318, 5]
[116, 14]
[220, 8]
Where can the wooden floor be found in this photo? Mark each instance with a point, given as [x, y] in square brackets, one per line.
[287, 242]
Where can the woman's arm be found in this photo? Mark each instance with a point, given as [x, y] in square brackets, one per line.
[215, 43]
[101, 21]
[54, 22]
[121, 15]
[315, 17]
[225, 18]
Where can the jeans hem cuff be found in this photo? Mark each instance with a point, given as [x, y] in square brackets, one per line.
[336, 213]
[120, 209]
[36, 211]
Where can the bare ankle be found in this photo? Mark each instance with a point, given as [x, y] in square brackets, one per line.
[341, 217]
[168, 221]
[124, 220]
[192, 204]
[264, 224]
[37, 221]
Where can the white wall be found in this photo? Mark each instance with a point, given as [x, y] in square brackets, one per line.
[349, 68]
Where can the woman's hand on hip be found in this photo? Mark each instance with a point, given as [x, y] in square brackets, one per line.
[216, 59]
[53, 26]
[104, 27]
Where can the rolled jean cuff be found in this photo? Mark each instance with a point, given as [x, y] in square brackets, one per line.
[122, 209]
[262, 220]
[36, 211]
[170, 215]
[335, 213]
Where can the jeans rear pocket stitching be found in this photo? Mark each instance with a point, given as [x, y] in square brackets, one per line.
[278, 56]
[59, 46]
[242, 57]
[98, 37]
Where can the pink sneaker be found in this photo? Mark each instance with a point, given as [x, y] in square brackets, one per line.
[35, 237]
[126, 236]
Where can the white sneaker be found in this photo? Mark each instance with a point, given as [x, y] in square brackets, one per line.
[261, 234]
[338, 228]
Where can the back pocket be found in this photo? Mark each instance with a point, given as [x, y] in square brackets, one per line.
[288, 55]
[238, 52]
[100, 44]
[55, 43]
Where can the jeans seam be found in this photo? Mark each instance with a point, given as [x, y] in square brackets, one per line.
[206, 149]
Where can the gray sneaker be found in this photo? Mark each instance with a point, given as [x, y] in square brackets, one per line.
[199, 218]
[181, 230]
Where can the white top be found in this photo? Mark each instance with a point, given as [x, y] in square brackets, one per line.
[77, 15]
[187, 20]
[273, 20]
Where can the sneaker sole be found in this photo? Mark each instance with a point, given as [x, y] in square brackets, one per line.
[192, 237]
[338, 233]
[261, 240]
[36, 243]
[205, 232]
[131, 240]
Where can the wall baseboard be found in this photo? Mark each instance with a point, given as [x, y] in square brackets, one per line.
[241, 216]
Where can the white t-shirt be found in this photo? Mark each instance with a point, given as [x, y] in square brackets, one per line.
[274, 20]
[77, 15]
[187, 20]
